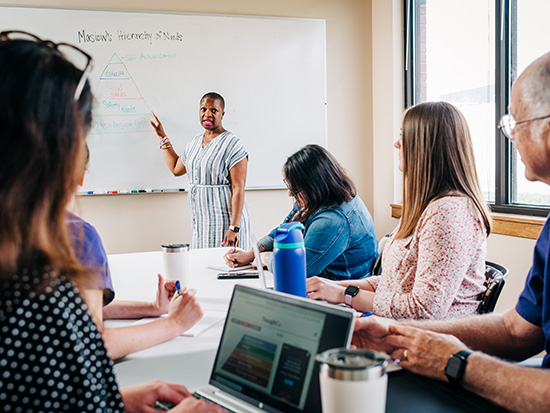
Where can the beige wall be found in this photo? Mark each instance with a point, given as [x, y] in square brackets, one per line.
[364, 91]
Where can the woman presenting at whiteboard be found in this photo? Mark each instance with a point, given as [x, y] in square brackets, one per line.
[216, 163]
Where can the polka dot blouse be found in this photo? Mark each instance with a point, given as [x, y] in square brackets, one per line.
[438, 272]
[52, 357]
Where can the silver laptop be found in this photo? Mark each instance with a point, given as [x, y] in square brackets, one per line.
[266, 357]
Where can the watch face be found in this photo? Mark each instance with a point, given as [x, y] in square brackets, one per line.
[454, 367]
[352, 290]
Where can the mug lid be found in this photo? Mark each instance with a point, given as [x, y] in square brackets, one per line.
[174, 247]
[352, 359]
[352, 365]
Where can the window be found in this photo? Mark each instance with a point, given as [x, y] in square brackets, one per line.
[468, 53]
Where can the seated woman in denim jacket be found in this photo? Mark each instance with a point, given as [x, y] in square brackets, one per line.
[339, 234]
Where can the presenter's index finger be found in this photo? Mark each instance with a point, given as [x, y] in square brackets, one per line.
[156, 120]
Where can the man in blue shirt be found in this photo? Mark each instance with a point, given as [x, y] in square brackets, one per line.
[470, 351]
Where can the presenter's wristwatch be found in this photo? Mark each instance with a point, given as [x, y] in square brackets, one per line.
[351, 291]
[234, 228]
[456, 366]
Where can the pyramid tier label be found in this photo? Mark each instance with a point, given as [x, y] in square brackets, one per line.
[119, 106]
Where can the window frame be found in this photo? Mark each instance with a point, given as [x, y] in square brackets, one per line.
[505, 45]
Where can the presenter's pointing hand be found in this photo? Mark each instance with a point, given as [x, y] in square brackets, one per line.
[157, 126]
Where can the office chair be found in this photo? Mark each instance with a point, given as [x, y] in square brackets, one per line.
[377, 266]
[495, 277]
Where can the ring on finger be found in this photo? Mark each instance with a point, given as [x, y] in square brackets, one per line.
[405, 355]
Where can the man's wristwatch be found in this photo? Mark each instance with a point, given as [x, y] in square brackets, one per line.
[234, 228]
[351, 291]
[456, 366]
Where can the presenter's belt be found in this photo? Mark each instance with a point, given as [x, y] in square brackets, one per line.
[194, 187]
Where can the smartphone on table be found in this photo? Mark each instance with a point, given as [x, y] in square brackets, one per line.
[236, 275]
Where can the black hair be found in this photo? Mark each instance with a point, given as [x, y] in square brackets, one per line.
[42, 130]
[314, 176]
[215, 96]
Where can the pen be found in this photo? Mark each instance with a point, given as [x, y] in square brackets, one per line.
[365, 314]
[178, 287]
[235, 249]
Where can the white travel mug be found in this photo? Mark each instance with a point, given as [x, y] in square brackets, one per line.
[176, 262]
[353, 380]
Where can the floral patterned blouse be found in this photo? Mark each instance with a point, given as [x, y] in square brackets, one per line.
[438, 272]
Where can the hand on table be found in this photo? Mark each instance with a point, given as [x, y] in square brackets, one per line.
[191, 404]
[184, 310]
[231, 239]
[371, 333]
[143, 397]
[157, 126]
[238, 258]
[427, 353]
[165, 291]
[323, 289]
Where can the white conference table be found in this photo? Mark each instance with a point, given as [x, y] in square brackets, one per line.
[184, 360]
[189, 360]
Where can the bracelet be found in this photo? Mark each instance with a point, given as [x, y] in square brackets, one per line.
[166, 146]
[164, 140]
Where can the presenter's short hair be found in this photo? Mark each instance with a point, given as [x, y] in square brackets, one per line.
[215, 96]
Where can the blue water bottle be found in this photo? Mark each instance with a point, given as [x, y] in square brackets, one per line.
[289, 259]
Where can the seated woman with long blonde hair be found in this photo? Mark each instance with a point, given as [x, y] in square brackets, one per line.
[433, 265]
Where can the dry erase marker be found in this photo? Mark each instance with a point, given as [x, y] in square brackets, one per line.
[178, 287]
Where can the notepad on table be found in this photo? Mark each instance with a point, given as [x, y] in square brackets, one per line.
[223, 268]
[209, 319]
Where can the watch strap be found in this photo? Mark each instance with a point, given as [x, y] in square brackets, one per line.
[347, 299]
[455, 372]
[351, 291]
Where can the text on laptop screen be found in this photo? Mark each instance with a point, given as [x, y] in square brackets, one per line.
[269, 347]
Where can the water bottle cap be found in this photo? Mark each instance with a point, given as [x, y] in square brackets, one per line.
[289, 236]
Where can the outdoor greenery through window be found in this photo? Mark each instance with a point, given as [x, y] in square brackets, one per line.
[468, 53]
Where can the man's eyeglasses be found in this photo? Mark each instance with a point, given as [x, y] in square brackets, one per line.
[78, 57]
[507, 124]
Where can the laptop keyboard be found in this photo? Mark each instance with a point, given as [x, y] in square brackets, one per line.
[201, 397]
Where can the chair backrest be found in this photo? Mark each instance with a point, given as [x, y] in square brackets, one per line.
[495, 277]
[377, 267]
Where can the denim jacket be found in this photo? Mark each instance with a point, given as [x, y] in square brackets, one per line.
[340, 242]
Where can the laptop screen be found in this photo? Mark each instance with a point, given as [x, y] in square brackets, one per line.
[267, 351]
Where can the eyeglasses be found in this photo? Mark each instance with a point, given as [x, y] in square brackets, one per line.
[78, 57]
[294, 193]
[507, 124]
[287, 186]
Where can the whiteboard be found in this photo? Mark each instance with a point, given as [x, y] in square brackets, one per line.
[271, 72]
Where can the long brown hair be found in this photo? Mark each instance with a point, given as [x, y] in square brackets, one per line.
[438, 157]
[42, 131]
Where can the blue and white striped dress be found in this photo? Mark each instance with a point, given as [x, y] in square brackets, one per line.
[210, 189]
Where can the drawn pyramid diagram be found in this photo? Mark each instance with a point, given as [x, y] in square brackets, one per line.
[119, 106]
